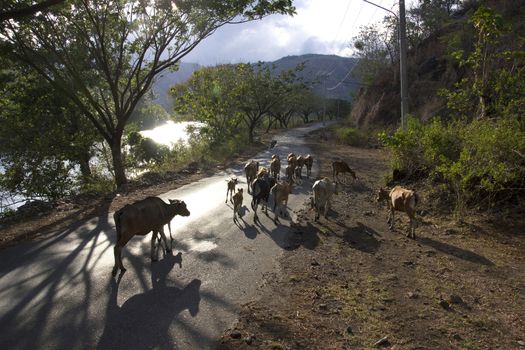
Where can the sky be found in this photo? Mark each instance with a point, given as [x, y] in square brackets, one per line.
[320, 26]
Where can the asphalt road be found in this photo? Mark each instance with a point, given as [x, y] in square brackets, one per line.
[59, 293]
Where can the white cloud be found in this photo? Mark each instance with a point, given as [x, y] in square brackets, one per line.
[320, 26]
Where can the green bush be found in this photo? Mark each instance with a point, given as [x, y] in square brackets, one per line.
[350, 136]
[476, 160]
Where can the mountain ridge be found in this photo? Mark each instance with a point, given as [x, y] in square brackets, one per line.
[336, 71]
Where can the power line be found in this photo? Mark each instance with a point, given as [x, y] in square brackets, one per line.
[353, 67]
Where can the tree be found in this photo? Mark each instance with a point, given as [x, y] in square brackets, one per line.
[103, 54]
[42, 138]
[495, 74]
[375, 50]
[15, 10]
[427, 17]
[211, 96]
[309, 103]
[262, 90]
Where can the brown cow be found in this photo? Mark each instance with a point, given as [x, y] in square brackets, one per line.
[250, 169]
[237, 203]
[280, 192]
[231, 188]
[400, 199]
[340, 166]
[142, 217]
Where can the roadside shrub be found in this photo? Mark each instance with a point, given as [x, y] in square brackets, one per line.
[350, 136]
[482, 160]
[406, 148]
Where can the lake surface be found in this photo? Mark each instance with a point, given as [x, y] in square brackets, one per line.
[167, 134]
[171, 132]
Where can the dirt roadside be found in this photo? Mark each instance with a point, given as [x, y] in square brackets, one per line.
[350, 283]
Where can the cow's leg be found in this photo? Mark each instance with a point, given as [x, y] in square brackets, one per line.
[413, 223]
[118, 263]
[390, 220]
[153, 256]
[326, 207]
[163, 236]
[117, 251]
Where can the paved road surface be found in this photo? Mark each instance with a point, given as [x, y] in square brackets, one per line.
[59, 294]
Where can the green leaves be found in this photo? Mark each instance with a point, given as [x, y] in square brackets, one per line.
[475, 159]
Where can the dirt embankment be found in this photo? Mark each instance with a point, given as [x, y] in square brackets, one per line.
[350, 283]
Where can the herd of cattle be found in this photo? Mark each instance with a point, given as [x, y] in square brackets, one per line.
[152, 214]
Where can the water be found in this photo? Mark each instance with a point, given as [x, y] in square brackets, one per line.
[171, 132]
[168, 134]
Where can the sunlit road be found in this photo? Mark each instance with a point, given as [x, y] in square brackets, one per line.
[59, 294]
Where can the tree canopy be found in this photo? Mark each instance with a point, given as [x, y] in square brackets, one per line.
[103, 55]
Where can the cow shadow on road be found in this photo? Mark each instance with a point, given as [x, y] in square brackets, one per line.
[143, 321]
[362, 237]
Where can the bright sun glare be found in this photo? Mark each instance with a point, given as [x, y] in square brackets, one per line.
[170, 133]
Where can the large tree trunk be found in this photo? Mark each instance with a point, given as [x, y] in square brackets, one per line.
[250, 133]
[83, 161]
[118, 164]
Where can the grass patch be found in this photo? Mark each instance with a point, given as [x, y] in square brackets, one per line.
[296, 278]
[275, 345]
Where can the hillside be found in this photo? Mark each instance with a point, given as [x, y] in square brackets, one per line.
[431, 67]
[331, 71]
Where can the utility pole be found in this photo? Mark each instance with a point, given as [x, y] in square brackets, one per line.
[403, 62]
[402, 35]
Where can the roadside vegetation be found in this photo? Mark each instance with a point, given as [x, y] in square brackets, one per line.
[96, 61]
[74, 99]
[469, 152]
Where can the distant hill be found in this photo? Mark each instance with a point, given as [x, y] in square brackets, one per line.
[332, 72]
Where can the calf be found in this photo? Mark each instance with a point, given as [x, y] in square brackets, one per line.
[400, 199]
[237, 203]
[232, 182]
[142, 217]
[340, 166]
[323, 190]
[250, 169]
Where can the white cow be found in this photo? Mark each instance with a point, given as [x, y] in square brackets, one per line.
[323, 190]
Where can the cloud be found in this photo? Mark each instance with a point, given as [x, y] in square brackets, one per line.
[323, 27]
